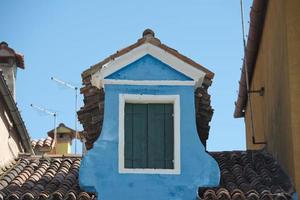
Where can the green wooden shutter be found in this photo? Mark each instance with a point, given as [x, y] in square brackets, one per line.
[169, 136]
[128, 136]
[149, 136]
[156, 136]
[135, 136]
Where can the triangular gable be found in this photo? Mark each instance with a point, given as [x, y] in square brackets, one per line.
[148, 68]
[195, 74]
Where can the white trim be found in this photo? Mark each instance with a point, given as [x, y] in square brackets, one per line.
[114, 65]
[134, 98]
[147, 82]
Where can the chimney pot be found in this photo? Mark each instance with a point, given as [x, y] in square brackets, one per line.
[148, 33]
[3, 44]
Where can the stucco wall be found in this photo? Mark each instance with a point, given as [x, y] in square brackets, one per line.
[277, 113]
[63, 148]
[9, 142]
[99, 168]
[293, 37]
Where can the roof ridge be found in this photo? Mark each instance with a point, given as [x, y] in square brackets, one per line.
[30, 156]
[148, 37]
[263, 150]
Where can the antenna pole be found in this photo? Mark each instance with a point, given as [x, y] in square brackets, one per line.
[70, 86]
[53, 114]
[76, 134]
[55, 130]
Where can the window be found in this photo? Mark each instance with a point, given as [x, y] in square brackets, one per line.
[149, 136]
[149, 139]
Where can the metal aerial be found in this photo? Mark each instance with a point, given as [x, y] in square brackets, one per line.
[51, 113]
[70, 86]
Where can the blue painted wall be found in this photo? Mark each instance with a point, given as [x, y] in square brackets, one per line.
[148, 68]
[295, 196]
[99, 167]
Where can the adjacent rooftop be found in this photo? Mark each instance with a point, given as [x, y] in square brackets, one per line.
[244, 175]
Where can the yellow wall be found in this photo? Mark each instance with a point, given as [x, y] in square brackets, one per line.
[277, 114]
[293, 37]
[63, 148]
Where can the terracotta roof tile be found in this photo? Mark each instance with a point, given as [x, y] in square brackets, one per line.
[244, 175]
[7, 166]
[249, 175]
[42, 144]
[42, 178]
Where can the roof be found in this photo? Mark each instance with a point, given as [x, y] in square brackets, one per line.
[257, 18]
[148, 37]
[19, 57]
[32, 177]
[15, 114]
[249, 175]
[42, 145]
[244, 175]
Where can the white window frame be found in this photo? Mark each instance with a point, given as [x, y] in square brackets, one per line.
[146, 99]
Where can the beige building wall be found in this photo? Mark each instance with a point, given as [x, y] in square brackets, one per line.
[293, 37]
[9, 141]
[276, 115]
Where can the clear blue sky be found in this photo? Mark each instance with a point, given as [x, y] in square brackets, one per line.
[63, 38]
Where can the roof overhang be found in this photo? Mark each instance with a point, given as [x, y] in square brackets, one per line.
[257, 18]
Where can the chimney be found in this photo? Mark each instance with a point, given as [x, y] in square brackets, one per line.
[9, 62]
[63, 142]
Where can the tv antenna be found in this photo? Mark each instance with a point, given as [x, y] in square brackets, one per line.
[70, 86]
[53, 114]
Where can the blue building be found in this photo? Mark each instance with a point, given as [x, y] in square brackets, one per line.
[149, 146]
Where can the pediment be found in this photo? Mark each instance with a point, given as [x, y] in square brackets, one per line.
[126, 67]
[148, 68]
